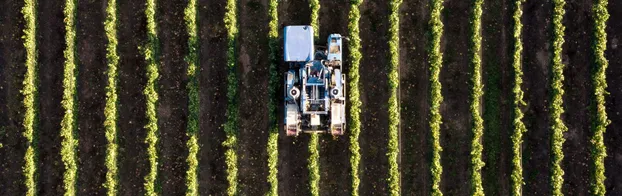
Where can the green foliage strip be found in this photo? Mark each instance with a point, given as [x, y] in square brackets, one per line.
[598, 149]
[30, 96]
[558, 128]
[151, 55]
[192, 58]
[354, 95]
[436, 98]
[69, 141]
[231, 142]
[110, 110]
[273, 138]
[314, 165]
[314, 5]
[394, 110]
[476, 96]
[517, 122]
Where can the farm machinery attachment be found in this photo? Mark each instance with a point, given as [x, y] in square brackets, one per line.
[315, 87]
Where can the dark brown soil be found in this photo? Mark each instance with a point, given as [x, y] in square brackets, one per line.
[131, 120]
[335, 168]
[414, 97]
[91, 52]
[50, 42]
[455, 76]
[293, 151]
[253, 74]
[613, 137]
[374, 25]
[578, 85]
[12, 57]
[213, 95]
[173, 102]
[497, 75]
[536, 66]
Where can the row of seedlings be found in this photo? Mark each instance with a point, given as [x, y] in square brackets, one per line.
[354, 94]
[273, 137]
[517, 102]
[231, 143]
[394, 110]
[110, 110]
[151, 52]
[30, 93]
[475, 102]
[192, 129]
[314, 152]
[436, 98]
[556, 108]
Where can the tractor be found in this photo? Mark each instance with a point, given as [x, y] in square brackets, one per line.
[314, 85]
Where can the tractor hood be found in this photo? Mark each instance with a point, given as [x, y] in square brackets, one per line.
[298, 44]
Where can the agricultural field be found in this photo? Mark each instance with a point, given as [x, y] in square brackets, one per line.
[185, 97]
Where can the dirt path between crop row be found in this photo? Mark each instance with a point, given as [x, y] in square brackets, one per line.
[50, 42]
[173, 102]
[293, 151]
[613, 136]
[497, 77]
[92, 79]
[536, 66]
[577, 53]
[414, 85]
[12, 69]
[374, 25]
[132, 160]
[213, 94]
[253, 73]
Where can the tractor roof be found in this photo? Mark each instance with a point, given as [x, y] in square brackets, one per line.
[298, 43]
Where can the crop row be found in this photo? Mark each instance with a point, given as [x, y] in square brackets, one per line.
[517, 102]
[314, 5]
[558, 128]
[30, 96]
[69, 141]
[314, 165]
[110, 110]
[151, 52]
[354, 95]
[476, 96]
[394, 110]
[436, 98]
[273, 137]
[231, 143]
[192, 58]
[598, 149]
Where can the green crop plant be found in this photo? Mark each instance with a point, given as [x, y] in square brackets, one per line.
[30, 93]
[192, 58]
[394, 110]
[557, 127]
[230, 143]
[599, 80]
[436, 98]
[273, 138]
[314, 165]
[314, 5]
[69, 141]
[517, 102]
[110, 110]
[476, 96]
[355, 101]
[151, 52]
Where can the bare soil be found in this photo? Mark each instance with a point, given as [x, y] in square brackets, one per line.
[173, 100]
[213, 95]
[613, 137]
[537, 55]
[374, 25]
[92, 80]
[12, 57]
[132, 158]
[414, 98]
[50, 42]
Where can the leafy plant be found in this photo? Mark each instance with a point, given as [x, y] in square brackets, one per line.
[517, 102]
[190, 17]
[314, 5]
[355, 55]
[30, 93]
[558, 127]
[394, 110]
[314, 165]
[273, 138]
[436, 98]
[110, 110]
[476, 96]
[151, 53]
[231, 132]
[69, 141]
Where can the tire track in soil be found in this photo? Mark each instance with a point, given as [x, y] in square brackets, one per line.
[374, 26]
[50, 42]
[455, 76]
[613, 136]
[497, 74]
[537, 62]
[253, 72]
[91, 81]
[132, 160]
[577, 55]
[293, 151]
[414, 94]
[335, 154]
[173, 102]
[213, 93]
[12, 69]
